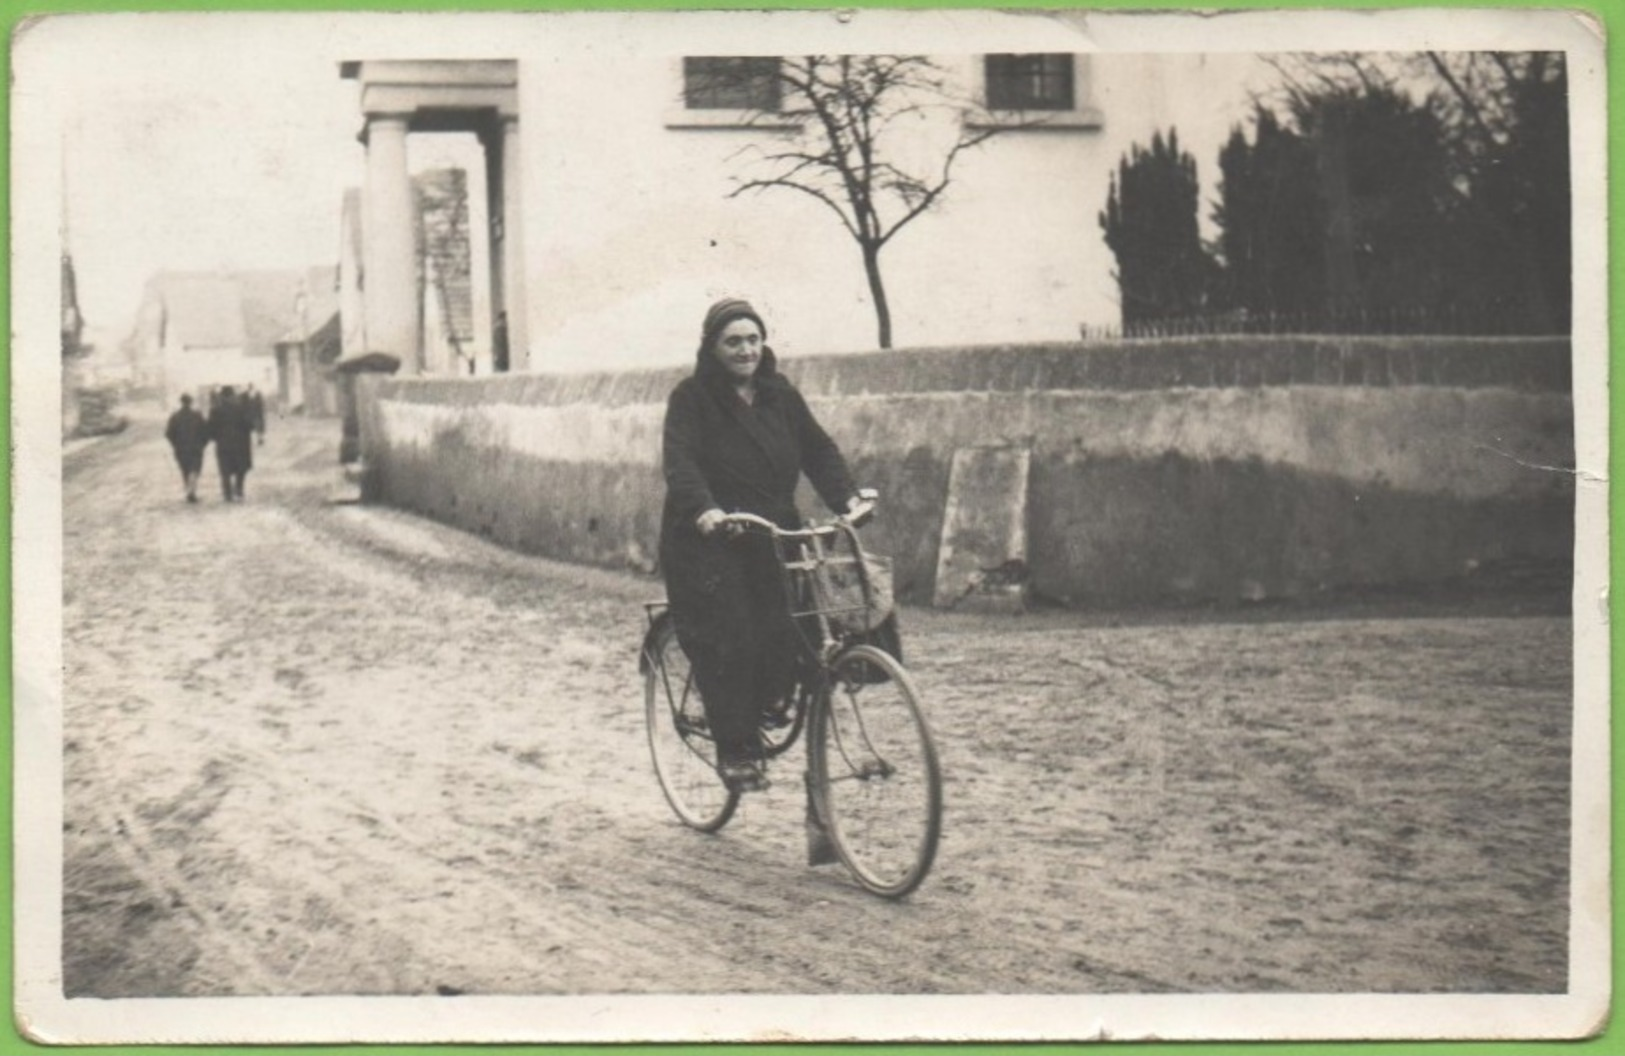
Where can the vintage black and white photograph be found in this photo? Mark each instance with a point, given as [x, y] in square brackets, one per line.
[883, 525]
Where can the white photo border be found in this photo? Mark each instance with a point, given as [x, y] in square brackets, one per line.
[37, 553]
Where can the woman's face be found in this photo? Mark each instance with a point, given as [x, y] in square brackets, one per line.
[739, 348]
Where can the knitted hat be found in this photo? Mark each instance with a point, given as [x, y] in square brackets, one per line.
[724, 312]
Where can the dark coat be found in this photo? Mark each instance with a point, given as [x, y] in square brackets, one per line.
[721, 452]
[254, 407]
[188, 434]
[232, 432]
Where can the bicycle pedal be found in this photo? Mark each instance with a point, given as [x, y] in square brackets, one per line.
[744, 779]
[872, 769]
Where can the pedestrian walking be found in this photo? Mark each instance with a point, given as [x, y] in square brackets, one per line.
[254, 404]
[188, 435]
[231, 430]
[499, 344]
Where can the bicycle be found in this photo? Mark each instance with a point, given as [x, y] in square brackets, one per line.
[872, 772]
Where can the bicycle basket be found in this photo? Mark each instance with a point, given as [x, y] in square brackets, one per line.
[853, 587]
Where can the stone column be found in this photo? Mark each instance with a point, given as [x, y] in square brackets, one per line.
[513, 247]
[491, 141]
[390, 277]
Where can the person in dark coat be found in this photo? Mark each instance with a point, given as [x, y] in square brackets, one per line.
[188, 435]
[254, 407]
[231, 430]
[737, 438]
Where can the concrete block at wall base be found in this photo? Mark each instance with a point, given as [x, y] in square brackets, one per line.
[984, 525]
[1010, 599]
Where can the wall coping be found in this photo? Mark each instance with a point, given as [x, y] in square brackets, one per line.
[1529, 364]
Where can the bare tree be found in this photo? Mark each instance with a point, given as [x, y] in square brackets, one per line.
[853, 114]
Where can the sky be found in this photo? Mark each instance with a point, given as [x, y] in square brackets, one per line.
[188, 151]
[191, 151]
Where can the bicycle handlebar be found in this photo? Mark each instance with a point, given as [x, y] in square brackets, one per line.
[855, 517]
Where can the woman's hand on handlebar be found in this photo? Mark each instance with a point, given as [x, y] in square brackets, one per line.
[710, 520]
[861, 507]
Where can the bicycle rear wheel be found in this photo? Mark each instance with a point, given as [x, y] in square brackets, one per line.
[875, 772]
[685, 756]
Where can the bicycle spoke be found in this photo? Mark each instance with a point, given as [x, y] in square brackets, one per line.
[694, 730]
[872, 766]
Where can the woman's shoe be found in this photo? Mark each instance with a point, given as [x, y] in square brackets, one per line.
[820, 851]
[743, 776]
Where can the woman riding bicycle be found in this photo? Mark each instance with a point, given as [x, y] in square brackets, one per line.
[738, 436]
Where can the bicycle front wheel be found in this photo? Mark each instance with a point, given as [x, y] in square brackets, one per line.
[875, 772]
[680, 742]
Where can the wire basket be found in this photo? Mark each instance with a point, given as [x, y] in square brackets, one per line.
[835, 578]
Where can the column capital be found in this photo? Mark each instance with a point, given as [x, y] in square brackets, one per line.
[387, 122]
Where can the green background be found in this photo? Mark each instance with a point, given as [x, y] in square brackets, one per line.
[1610, 12]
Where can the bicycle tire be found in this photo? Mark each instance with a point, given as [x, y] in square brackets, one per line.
[877, 782]
[680, 743]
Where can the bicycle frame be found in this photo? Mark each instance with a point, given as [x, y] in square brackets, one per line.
[789, 713]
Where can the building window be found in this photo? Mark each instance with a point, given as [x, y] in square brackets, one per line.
[1030, 82]
[731, 83]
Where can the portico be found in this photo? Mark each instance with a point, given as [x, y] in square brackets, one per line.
[399, 97]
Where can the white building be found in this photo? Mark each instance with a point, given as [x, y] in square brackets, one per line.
[609, 176]
[196, 331]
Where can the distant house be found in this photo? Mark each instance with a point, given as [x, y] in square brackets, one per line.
[207, 329]
[455, 340]
[103, 361]
[351, 278]
[445, 272]
[306, 352]
[190, 326]
[73, 324]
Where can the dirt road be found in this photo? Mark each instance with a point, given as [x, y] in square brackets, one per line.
[315, 748]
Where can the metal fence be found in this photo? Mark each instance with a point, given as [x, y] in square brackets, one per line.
[1477, 320]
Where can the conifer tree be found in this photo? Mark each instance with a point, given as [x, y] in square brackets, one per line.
[1150, 223]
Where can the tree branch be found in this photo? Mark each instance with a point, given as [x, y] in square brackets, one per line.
[762, 185]
[1468, 105]
[846, 106]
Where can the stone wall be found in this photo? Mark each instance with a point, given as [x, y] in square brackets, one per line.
[1192, 469]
